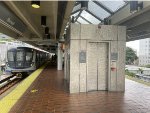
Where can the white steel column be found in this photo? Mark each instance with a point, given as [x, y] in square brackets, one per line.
[59, 57]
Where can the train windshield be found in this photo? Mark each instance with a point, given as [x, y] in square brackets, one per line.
[19, 56]
[11, 56]
[28, 56]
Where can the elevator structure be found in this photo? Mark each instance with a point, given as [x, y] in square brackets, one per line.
[95, 58]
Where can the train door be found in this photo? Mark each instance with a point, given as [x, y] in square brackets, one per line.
[28, 58]
[97, 76]
[37, 59]
[11, 58]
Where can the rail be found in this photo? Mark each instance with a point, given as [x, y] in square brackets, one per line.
[7, 83]
[4, 80]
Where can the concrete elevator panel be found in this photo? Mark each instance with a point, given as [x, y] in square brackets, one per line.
[96, 58]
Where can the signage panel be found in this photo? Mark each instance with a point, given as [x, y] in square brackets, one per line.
[114, 56]
[7, 16]
[82, 57]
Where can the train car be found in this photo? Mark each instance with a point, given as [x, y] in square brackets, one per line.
[24, 60]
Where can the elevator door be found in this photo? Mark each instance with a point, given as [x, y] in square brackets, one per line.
[97, 75]
[92, 67]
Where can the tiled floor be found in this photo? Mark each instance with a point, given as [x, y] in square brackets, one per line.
[48, 94]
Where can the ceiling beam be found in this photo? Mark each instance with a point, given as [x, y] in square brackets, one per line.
[85, 19]
[138, 20]
[94, 15]
[102, 6]
[78, 22]
[18, 9]
[37, 40]
[77, 3]
[124, 13]
[78, 16]
[75, 11]
[138, 37]
[70, 5]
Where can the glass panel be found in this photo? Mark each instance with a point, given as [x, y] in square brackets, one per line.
[19, 56]
[75, 14]
[76, 7]
[76, 23]
[10, 56]
[113, 5]
[97, 10]
[28, 56]
[90, 18]
[82, 21]
[37, 56]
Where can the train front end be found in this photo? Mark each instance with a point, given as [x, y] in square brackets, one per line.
[20, 60]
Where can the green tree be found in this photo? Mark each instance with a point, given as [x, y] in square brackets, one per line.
[141, 71]
[130, 55]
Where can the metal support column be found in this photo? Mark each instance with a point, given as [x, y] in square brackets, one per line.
[59, 57]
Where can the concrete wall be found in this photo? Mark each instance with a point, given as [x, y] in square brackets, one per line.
[81, 36]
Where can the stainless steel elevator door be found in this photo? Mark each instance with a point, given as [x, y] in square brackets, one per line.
[97, 74]
[92, 67]
[102, 67]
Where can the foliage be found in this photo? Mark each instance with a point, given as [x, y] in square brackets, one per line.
[147, 66]
[138, 80]
[6, 40]
[129, 73]
[130, 55]
[141, 70]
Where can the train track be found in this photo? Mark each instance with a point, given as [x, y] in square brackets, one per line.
[8, 82]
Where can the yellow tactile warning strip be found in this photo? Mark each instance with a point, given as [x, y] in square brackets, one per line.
[7, 102]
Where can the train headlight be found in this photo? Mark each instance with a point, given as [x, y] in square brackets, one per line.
[32, 64]
[7, 64]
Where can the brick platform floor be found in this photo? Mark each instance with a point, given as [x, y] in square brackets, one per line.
[48, 94]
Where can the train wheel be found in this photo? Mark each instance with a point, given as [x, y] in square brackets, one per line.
[19, 75]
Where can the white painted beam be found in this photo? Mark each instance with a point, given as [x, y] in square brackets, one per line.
[69, 8]
[124, 14]
[138, 20]
[19, 9]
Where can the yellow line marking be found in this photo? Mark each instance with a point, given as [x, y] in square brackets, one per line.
[10, 100]
[33, 90]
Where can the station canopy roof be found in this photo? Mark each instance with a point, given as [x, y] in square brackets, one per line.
[94, 12]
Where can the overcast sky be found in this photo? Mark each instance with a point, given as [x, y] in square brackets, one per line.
[134, 45]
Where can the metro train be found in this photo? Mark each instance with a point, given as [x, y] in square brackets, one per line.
[24, 60]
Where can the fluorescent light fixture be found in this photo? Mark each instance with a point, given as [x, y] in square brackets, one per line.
[35, 4]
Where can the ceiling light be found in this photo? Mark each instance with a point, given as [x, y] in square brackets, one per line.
[46, 30]
[43, 21]
[35, 4]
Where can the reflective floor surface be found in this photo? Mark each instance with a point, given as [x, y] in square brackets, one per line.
[48, 94]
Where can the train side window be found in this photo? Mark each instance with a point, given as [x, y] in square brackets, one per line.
[36, 56]
[11, 56]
